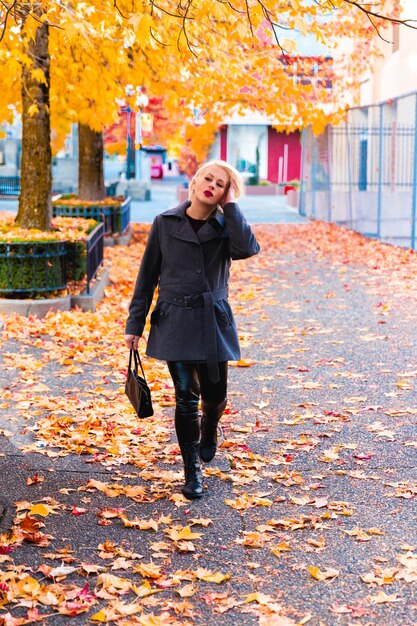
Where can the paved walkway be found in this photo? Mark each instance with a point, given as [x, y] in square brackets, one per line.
[309, 513]
[258, 209]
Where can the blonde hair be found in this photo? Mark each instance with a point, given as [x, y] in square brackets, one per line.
[234, 175]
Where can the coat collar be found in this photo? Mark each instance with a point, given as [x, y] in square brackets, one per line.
[185, 230]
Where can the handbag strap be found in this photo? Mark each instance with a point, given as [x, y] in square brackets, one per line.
[137, 360]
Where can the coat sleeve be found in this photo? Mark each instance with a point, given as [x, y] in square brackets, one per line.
[146, 283]
[242, 241]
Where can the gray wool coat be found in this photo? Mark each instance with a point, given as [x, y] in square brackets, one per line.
[192, 319]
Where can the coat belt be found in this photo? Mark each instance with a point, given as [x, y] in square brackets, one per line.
[206, 300]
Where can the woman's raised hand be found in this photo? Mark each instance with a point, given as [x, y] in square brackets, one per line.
[230, 194]
[132, 341]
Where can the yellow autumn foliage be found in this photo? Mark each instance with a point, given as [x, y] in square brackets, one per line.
[208, 55]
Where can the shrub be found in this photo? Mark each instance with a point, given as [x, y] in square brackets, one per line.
[30, 268]
[33, 262]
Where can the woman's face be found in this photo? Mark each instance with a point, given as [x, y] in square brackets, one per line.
[211, 185]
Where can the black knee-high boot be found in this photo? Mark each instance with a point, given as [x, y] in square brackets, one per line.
[212, 412]
[193, 487]
[187, 424]
[188, 432]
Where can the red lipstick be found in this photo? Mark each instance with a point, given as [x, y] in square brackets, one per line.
[208, 194]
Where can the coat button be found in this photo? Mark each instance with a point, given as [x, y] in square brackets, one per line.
[198, 271]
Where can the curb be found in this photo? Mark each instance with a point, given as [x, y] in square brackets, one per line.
[35, 307]
[87, 302]
[119, 240]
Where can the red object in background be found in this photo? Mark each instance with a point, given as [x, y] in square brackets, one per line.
[288, 188]
[223, 142]
[276, 143]
[157, 170]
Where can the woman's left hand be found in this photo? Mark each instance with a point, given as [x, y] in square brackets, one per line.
[229, 195]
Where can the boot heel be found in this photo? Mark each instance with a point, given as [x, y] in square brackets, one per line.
[193, 487]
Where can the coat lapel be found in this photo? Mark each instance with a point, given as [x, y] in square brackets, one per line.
[182, 229]
[215, 227]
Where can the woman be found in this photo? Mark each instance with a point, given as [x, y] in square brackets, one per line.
[188, 255]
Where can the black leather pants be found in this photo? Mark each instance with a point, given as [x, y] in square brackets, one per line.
[190, 381]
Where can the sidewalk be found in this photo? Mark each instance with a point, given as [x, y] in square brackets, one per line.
[257, 209]
[309, 516]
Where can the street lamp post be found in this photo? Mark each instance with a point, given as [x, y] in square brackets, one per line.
[129, 92]
[142, 101]
[129, 143]
[133, 166]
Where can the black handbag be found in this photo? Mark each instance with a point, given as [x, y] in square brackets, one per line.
[136, 387]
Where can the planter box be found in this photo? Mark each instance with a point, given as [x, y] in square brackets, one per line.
[263, 190]
[182, 194]
[85, 257]
[40, 307]
[293, 197]
[120, 216]
[115, 216]
[31, 268]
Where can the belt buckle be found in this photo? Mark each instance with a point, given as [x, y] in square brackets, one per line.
[187, 300]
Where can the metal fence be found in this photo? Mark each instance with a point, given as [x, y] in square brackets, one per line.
[95, 245]
[32, 268]
[96, 212]
[362, 173]
[9, 186]
[120, 216]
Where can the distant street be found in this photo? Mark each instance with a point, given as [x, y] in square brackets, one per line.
[257, 209]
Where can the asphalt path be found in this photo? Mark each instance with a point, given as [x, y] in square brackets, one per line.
[319, 458]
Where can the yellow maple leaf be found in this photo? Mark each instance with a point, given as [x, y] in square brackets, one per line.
[260, 598]
[145, 590]
[178, 533]
[187, 591]
[284, 546]
[33, 109]
[318, 574]
[42, 509]
[201, 521]
[99, 617]
[382, 597]
[209, 576]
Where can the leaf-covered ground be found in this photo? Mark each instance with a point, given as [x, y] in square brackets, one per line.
[309, 515]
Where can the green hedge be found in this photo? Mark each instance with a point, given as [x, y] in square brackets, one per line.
[28, 269]
[76, 260]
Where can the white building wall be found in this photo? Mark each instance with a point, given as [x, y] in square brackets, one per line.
[395, 73]
[242, 142]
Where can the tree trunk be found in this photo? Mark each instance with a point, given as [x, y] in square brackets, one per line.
[35, 205]
[90, 164]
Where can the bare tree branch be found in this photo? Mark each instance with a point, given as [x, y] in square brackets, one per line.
[184, 30]
[380, 16]
[248, 16]
[118, 10]
[161, 43]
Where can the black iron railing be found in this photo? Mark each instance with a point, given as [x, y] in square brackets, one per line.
[95, 246]
[9, 185]
[120, 216]
[29, 268]
[95, 212]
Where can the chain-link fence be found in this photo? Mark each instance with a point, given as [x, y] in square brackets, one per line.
[362, 173]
